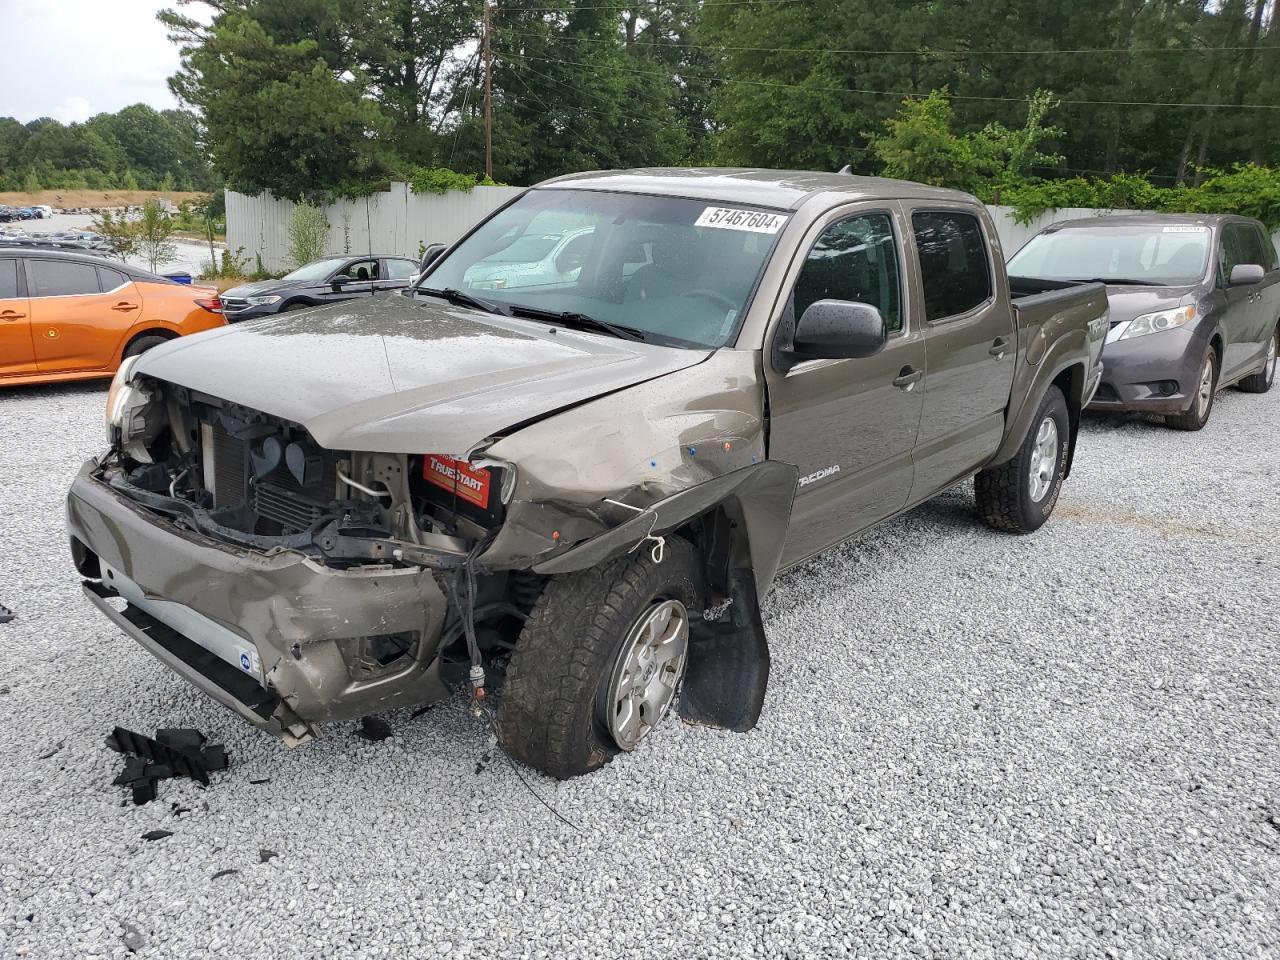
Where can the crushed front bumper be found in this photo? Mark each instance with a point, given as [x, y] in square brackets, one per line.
[270, 635]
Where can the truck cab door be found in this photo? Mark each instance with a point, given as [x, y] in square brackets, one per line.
[970, 345]
[848, 425]
[17, 354]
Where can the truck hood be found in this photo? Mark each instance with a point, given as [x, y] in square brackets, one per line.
[399, 375]
[1127, 302]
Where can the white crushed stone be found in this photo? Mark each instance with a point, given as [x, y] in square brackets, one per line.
[974, 745]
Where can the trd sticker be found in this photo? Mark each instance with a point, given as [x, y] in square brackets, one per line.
[820, 475]
[752, 221]
[1186, 228]
[470, 484]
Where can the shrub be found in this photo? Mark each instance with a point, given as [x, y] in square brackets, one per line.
[308, 233]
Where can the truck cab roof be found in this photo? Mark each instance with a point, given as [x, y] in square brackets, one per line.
[780, 189]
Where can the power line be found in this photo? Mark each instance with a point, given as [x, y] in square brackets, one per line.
[922, 52]
[900, 95]
[614, 6]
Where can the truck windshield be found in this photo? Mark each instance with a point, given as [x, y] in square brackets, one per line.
[1152, 253]
[677, 271]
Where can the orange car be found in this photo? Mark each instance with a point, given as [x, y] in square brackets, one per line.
[69, 316]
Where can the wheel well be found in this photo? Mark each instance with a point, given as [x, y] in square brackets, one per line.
[1071, 382]
[150, 332]
[1216, 342]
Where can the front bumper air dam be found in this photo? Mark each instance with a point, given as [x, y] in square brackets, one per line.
[290, 610]
[1150, 374]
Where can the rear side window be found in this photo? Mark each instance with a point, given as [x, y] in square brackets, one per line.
[954, 266]
[400, 269]
[1241, 243]
[854, 260]
[8, 279]
[111, 279]
[62, 278]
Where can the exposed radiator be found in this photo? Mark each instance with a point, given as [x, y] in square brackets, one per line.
[224, 461]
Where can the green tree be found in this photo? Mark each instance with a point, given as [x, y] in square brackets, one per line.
[920, 145]
[154, 235]
[31, 183]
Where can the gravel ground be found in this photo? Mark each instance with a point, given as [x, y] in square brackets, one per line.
[974, 745]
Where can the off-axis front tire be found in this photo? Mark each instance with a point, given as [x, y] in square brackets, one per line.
[1261, 381]
[1017, 496]
[579, 647]
[1204, 391]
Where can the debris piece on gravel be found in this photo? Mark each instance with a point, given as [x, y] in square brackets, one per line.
[6, 614]
[133, 938]
[374, 729]
[266, 856]
[224, 873]
[157, 834]
[174, 752]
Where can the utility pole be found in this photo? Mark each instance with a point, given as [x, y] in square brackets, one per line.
[488, 96]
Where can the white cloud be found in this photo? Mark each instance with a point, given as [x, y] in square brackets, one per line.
[71, 59]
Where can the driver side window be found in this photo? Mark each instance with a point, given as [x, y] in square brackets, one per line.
[854, 260]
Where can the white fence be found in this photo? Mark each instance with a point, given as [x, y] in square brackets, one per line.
[399, 220]
[393, 222]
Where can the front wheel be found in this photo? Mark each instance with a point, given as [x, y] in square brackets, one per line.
[1017, 496]
[1197, 415]
[1261, 381]
[600, 660]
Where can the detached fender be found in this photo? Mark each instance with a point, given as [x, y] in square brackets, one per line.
[761, 494]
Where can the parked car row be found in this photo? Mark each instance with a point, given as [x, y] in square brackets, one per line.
[83, 240]
[39, 212]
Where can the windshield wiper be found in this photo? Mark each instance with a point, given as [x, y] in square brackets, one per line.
[1124, 282]
[460, 299]
[584, 321]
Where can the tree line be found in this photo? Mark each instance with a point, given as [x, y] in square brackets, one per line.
[311, 96]
[138, 148]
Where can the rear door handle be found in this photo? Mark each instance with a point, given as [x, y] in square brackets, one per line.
[10, 315]
[999, 348]
[122, 305]
[907, 378]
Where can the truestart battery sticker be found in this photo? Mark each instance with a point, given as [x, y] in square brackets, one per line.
[470, 484]
[729, 218]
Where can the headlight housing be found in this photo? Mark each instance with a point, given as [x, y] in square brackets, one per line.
[262, 301]
[118, 396]
[132, 419]
[1158, 322]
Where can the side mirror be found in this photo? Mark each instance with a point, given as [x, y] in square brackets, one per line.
[838, 330]
[1246, 275]
[337, 282]
[430, 256]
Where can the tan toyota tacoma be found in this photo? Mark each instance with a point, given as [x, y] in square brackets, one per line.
[577, 452]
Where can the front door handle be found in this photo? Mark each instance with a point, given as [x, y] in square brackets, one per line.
[907, 378]
[999, 348]
[122, 305]
[11, 315]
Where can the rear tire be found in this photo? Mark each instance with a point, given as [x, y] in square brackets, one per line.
[1018, 496]
[1206, 388]
[1261, 381]
[143, 344]
[555, 713]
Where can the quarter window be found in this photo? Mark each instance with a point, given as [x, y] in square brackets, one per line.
[62, 278]
[854, 260]
[954, 266]
[110, 279]
[8, 279]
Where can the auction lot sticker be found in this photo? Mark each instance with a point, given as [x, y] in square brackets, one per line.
[1186, 228]
[729, 218]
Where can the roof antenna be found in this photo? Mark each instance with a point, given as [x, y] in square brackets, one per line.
[846, 170]
[368, 232]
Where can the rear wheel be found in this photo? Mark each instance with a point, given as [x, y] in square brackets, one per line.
[1018, 495]
[1261, 381]
[600, 661]
[1197, 415]
[143, 344]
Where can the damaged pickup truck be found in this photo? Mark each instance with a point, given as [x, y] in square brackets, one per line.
[592, 474]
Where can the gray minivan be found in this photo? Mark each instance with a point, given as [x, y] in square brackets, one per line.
[1195, 304]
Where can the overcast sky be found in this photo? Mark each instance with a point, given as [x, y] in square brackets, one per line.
[71, 59]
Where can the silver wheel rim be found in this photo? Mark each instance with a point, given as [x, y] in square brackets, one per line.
[1271, 358]
[1204, 396]
[647, 672]
[1044, 458]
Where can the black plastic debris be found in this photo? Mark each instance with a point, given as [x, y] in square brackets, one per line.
[173, 753]
[157, 834]
[223, 873]
[6, 614]
[260, 780]
[265, 855]
[374, 729]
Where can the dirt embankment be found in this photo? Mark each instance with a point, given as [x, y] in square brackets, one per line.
[94, 198]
